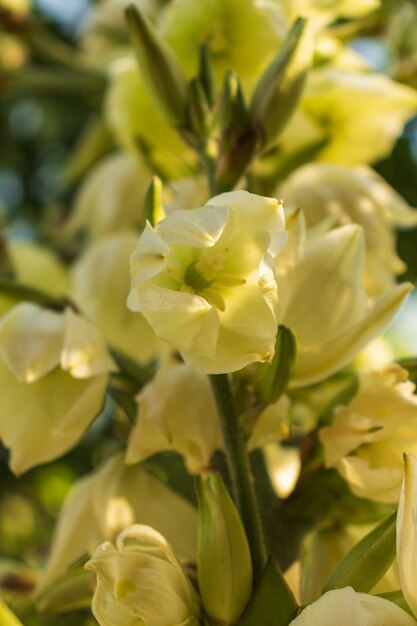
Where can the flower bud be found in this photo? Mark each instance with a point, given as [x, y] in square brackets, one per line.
[139, 578]
[161, 70]
[224, 562]
[280, 87]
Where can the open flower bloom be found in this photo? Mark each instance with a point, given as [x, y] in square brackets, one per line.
[407, 533]
[102, 296]
[241, 35]
[324, 302]
[54, 369]
[342, 195]
[357, 115]
[369, 436]
[345, 607]
[112, 196]
[177, 411]
[103, 503]
[140, 581]
[203, 279]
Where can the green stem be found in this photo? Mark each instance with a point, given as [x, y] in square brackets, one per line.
[238, 462]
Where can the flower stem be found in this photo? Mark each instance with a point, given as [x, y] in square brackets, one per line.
[238, 462]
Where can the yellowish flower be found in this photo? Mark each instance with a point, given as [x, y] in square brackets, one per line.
[111, 198]
[345, 607]
[177, 411]
[54, 370]
[203, 279]
[241, 35]
[358, 116]
[343, 195]
[102, 297]
[369, 436]
[140, 581]
[324, 302]
[110, 499]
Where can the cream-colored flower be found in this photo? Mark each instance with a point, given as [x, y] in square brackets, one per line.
[354, 195]
[345, 607]
[369, 436]
[203, 279]
[140, 581]
[358, 116]
[111, 198]
[241, 35]
[324, 302]
[110, 499]
[54, 371]
[101, 295]
[177, 411]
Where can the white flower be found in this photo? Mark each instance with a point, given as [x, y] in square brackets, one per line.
[54, 370]
[324, 302]
[369, 436]
[102, 296]
[344, 607]
[203, 279]
[342, 195]
[140, 581]
[177, 411]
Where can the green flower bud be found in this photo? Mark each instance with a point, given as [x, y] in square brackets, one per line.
[224, 562]
[161, 70]
[280, 87]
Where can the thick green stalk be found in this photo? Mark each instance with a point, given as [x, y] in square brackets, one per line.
[238, 463]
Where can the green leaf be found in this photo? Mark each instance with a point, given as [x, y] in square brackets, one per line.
[272, 603]
[368, 561]
[7, 618]
[272, 378]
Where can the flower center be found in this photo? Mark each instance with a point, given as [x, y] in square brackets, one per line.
[206, 278]
[217, 40]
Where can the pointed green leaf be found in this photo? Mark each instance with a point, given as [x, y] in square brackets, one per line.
[272, 378]
[368, 561]
[272, 603]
